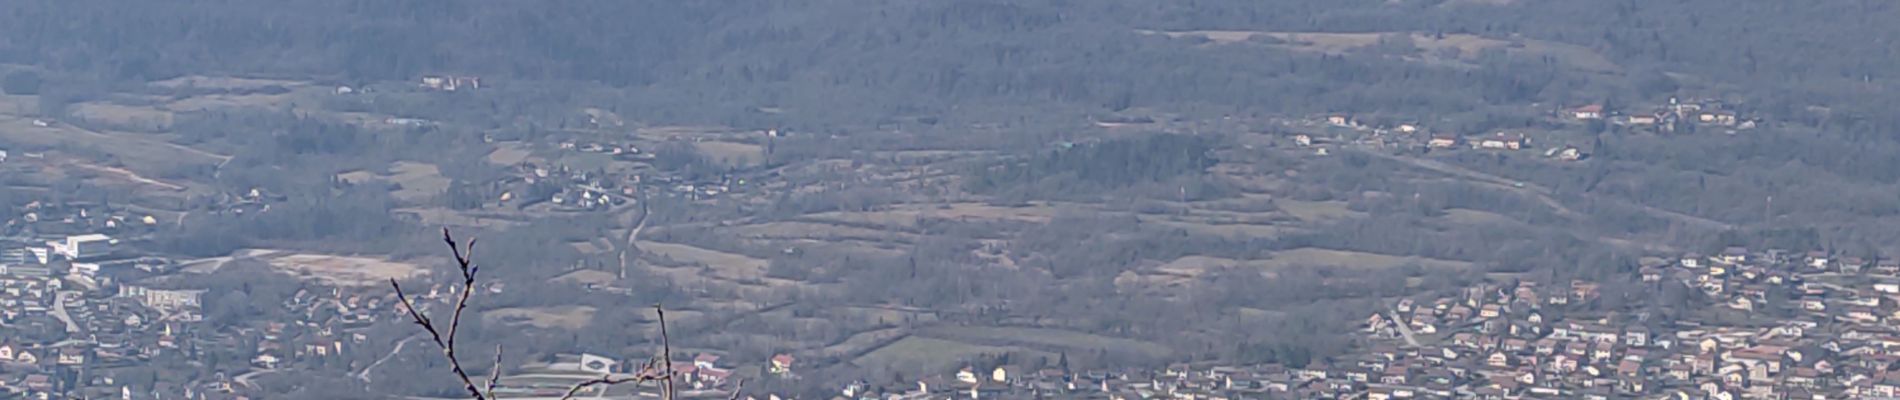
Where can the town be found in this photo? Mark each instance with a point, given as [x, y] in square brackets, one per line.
[875, 200]
[1674, 117]
[84, 300]
[1767, 324]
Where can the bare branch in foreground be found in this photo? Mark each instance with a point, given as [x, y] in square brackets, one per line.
[737, 386]
[659, 368]
[666, 353]
[494, 373]
[446, 342]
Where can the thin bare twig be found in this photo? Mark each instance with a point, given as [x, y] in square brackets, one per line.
[446, 342]
[659, 368]
[666, 352]
[494, 373]
[736, 387]
[604, 381]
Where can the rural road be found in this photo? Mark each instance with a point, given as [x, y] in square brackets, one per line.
[633, 237]
[1546, 195]
[364, 376]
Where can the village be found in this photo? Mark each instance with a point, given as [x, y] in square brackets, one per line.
[81, 312]
[1768, 324]
[1673, 117]
[87, 304]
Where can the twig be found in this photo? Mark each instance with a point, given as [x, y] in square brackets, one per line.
[737, 386]
[604, 380]
[658, 368]
[447, 342]
[494, 373]
[666, 353]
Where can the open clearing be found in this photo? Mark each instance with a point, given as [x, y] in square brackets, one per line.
[224, 82]
[1317, 211]
[1318, 257]
[217, 101]
[123, 175]
[906, 215]
[416, 182]
[510, 153]
[587, 276]
[724, 265]
[1183, 269]
[1194, 266]
[555, 317]
[145, 153]
[1455, 3]
[342, 270]
[419, 181]
[860, 341]
[1041, 338]
[732, 153]
[438, 216]
[677, 132]
[123, 115]
[920, 354]
[1466, 217]
[1447, 47]
[1230, 230]
[809, 230]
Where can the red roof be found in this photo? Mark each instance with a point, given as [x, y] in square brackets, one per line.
[783, 359]
[706, 358]
[1593, 108]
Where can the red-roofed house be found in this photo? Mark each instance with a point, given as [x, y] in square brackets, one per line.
[705, 360]
[1593, 111]
[782, 364]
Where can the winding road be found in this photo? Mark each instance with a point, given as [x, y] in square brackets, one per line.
[364, 376]
[633, 237]
[1547, 196]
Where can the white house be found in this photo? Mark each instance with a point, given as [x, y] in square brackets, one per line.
[82, 246]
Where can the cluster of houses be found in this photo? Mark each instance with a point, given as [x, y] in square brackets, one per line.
[448, 83]
[564, 188]
[674, 186]
[1671, 117]
[54, 218]
[1758, 325]
[571, 189]
[1412, 135]
[1751, 325]
[1675, 116]
[59, 322]
[75, 309]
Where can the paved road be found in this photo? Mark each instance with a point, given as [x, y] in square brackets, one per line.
[1404, 329]
[59, 311]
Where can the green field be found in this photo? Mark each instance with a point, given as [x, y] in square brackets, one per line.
[1049, 339]
[926, 355]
